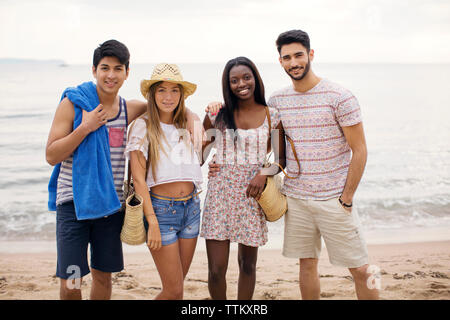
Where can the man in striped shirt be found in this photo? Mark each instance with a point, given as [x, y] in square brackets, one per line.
[324, 120]
[73, 235]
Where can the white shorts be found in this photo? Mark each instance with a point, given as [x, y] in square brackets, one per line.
[306, 221]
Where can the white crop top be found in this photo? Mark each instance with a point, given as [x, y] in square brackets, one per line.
[178, 161]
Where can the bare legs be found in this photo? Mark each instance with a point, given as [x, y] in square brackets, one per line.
[101, 287]
[363, 292]
[218, 254]
[173, 262]
[310, 284]
[309, 279]
[247, 257]
[69, 289]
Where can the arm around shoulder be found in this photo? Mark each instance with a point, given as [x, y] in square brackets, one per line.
[210, 134]
[135, 109]
[137, 138]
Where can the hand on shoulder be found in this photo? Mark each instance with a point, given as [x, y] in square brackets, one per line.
[213, 108]
[135, 109]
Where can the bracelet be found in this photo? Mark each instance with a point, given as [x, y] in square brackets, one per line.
[344, 204]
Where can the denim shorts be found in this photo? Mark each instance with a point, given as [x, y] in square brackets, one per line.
[73, 237]
[176, 219]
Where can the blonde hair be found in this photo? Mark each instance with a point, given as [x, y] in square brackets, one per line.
[154, 131]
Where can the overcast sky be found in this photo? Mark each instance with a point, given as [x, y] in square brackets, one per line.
[182, 31]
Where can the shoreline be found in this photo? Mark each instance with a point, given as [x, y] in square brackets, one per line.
[275, 242]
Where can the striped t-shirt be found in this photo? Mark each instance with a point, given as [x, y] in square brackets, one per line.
[313, 120]
[117, 132]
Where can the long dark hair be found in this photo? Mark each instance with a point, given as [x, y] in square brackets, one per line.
[225, 117]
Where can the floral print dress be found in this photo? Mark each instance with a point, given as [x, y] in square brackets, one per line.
[228, 214]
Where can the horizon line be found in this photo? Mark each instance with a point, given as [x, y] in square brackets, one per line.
[62, 61]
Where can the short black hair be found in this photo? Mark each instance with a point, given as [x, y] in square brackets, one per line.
[112, 48]
[293, 36]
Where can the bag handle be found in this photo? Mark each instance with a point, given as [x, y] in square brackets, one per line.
[129, 167]
[290, 142]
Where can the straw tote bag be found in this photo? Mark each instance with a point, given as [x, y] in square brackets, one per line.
[133, 230]
[272, 201]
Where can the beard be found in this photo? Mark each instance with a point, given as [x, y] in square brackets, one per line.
[300, 77]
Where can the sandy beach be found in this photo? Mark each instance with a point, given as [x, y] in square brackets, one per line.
[416, 270]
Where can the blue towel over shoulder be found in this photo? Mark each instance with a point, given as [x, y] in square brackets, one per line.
[94, 194]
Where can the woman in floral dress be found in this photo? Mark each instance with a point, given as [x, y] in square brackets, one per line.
[231, 212]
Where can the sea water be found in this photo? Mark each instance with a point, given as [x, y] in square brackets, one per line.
[406, 117]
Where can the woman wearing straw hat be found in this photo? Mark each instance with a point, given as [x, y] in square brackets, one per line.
[231, 212]
[166, 173]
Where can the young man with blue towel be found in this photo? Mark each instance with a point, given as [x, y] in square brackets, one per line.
[86, 145]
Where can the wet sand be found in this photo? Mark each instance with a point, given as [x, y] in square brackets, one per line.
[419, 270]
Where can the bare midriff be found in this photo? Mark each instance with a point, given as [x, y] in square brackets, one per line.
[174, 189]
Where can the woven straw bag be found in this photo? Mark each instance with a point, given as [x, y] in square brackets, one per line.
[272, 201]
[133, 230]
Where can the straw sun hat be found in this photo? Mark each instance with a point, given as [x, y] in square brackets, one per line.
[167, 72]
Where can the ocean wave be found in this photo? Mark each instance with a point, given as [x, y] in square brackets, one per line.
[20, 220]
[400, 214]
[438, 206]
[14, 182]
[24, 116]
[18, 148]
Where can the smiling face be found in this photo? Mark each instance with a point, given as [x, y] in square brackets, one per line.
[167, 96]
[110, 75]
[242, 82]
[296, 60]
